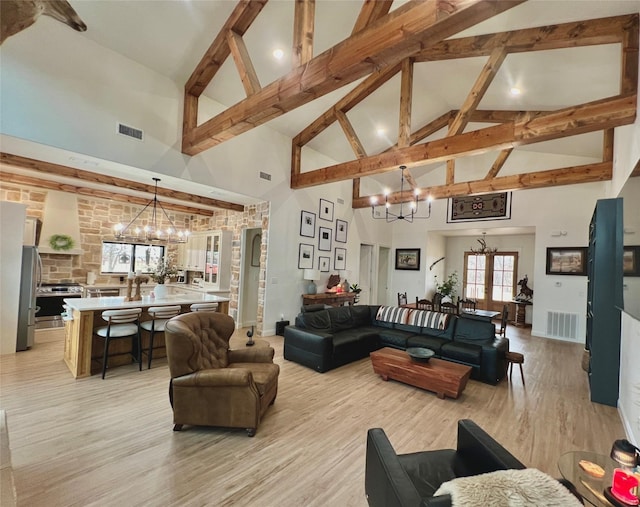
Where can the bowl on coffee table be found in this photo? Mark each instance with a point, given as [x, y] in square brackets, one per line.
[420, 354]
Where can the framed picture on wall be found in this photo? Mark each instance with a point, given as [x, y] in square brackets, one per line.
[567, 261]
[341, 231]
[323, 264]
[307, 224]
[631, 261]
[340, 259]
[408, 258]
[305, 256]
[326, 210]
[324, 239]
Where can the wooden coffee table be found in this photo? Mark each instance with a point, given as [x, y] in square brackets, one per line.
[442, 377]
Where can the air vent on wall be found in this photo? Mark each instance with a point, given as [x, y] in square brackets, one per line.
[128, 131]
[265, 176]
[562, 325]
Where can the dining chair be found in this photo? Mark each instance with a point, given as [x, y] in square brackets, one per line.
[503, 321]
[448, 308]
[402, 298]
[159, 317]
[204, 307]
[466, 304]
[424, 304]
[121, 324]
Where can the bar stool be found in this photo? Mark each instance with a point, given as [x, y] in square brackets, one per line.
[159, 317]
[204, 307]
[515, 358]
[120, 324]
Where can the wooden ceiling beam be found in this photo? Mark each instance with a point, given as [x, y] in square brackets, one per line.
[567, 35]
[371, 11]
[590, 117]
[96, 178]
[20, 179]
[601, 171]
[390, 39]
[241, 57]
[350, 133]
[239, 21]
[303, 32]
[406, 101]
[499, 162]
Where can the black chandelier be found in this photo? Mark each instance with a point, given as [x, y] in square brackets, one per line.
[150, 232]
[413, 205]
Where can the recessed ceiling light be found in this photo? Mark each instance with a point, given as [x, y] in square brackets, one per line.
[515, 90]
[278, 54]
[381, 131]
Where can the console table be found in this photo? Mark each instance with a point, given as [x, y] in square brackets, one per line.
[329, 298]
[520, 312]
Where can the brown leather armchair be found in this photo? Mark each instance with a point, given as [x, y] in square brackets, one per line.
[212, 385]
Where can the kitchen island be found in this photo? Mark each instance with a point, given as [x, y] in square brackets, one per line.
[83, 356]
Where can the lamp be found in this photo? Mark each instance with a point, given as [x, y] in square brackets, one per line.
[392, 217]
[484, 249]
[624, 484]
[151, 232]
[311, 275]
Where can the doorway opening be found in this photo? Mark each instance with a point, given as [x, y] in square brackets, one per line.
[490, 279]
[249, 277]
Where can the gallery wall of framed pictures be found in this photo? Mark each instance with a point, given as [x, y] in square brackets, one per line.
[325, 233]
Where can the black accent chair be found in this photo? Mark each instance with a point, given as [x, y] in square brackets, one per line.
[410, 480]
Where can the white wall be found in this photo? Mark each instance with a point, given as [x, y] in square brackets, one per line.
[629, 397]
[12, 219]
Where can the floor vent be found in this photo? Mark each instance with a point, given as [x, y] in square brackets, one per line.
[128, 131]
[562, 325]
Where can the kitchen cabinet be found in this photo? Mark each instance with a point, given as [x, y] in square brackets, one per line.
[196, 252]
[217, 272]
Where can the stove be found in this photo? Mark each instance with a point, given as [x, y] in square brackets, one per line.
[50, 302]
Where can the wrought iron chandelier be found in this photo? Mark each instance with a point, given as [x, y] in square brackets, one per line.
[150, 232]
[413, 205]
[484, 249]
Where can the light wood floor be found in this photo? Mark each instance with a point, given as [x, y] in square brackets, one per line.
[94, 442]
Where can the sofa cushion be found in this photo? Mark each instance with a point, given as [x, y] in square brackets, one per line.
[428, 470]
[393, 314]
[340, 319]
[361, 315]
[315, 321]
[431, 320]
[463, 352]
[394, 337]
[473, 330]
[426, 342]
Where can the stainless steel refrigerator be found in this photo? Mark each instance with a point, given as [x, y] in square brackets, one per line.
[30, 278]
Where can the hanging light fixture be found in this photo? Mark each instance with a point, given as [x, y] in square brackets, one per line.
[413, 205]
[484, 249]
[151, 232]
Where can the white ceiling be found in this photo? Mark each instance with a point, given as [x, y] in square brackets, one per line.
[170, 37]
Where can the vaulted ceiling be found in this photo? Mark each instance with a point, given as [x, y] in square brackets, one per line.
[375, 85]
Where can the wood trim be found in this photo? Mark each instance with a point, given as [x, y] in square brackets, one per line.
[371, 11]
[47, 168]
[589, 117]
[607, 145]
[391, 39]
[588, 173]
[303, 31]
[629, 74]
[243, 62]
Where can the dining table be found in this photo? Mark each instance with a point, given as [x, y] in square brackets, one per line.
[487, 315]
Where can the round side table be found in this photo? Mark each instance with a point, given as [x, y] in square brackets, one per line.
[591, 488]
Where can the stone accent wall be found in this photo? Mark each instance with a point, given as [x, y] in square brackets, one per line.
[98, 216]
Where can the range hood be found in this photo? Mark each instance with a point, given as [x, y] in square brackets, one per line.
[59, 224]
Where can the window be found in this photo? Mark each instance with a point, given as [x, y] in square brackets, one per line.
[490, 279]
[122, 258]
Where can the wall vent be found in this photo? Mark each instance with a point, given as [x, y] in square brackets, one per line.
[562, 325]
[340, 200]
[265, 176]
[128, 131]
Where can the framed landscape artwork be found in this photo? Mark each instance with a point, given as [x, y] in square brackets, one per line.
[307, 224]
[324, 239]
[305, 256]
[567, 261]
[631, 261]
[340, 260]
[408, 258]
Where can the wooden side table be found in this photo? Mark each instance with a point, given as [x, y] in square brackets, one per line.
[520, 312]
[329, 298]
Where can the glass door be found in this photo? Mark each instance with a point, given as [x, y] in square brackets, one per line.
[490, 279]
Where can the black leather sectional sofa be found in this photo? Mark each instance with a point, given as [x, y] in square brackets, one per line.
[329, 338]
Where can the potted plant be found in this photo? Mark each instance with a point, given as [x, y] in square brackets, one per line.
[164, 270]
[448, 287]
[356, 288]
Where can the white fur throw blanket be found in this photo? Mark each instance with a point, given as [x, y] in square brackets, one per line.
[508, 488]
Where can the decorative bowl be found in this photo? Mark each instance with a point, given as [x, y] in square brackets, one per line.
[420, 354]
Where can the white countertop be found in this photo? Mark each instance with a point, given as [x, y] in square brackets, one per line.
[181, 286]
[113, 303]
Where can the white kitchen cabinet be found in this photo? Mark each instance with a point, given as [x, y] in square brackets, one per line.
[217, 273]
[196, 252]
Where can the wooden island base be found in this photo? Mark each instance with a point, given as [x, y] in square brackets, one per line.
[442, 377]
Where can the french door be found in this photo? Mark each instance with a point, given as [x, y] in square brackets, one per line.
[490, 279]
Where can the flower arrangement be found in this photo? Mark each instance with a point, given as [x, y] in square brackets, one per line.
[448, 287]
[165, 269]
